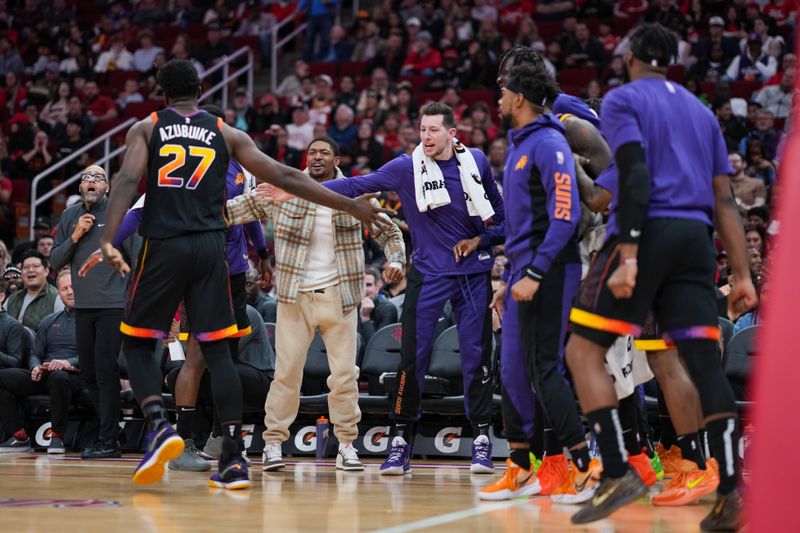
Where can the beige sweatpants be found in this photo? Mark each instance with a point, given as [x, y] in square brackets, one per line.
[295, 327]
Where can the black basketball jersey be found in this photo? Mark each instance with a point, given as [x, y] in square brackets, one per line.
[185, 175]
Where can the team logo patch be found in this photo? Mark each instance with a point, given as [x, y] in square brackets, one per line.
[521, 163]
[560, 157]
[239, 178]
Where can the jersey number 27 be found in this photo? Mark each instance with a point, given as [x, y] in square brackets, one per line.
[178, 154]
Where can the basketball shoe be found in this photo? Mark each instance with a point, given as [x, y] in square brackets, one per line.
[516, 481]
[163, 444]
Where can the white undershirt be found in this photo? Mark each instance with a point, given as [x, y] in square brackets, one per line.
[320, 268]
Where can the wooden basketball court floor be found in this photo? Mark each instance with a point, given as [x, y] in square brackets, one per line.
[41, 493]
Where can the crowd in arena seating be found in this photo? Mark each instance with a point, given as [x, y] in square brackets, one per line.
[74, 70]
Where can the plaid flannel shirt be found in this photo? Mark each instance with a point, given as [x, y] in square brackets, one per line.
[294, 223]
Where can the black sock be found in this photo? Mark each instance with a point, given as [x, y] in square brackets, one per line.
[581, 458]
[628, 419]
[231, 442]
[480, 429]
[155, 414]
[605, 425]
[723, 439]
[668, 434]
[552, 446]
[406, 431]
[185, 421]
[521, 457]
[691, 449]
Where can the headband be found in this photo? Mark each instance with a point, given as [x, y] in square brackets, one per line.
[515, 86]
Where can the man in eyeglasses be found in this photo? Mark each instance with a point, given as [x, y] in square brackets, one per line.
[99, 301]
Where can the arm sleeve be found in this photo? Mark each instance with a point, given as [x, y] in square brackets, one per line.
[63, 248]
[386, 178]
[256, 235]
[557, 169]
[128, 226]
[495, 233]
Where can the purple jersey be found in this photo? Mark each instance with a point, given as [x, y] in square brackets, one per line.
[682, 143]
[434, 233]
[572, 105]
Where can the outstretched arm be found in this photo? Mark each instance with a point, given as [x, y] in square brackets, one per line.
[293, 181]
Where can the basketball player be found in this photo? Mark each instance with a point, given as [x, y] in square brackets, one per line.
[542, 217]
[673, 177]
[184, 153]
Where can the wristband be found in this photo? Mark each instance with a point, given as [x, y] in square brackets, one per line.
[630, 261]
[533, 273]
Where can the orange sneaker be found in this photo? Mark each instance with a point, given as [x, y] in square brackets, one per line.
[579, 486]
[689, 484]
[514, 482]
[553, 473]
[641, 463]
[669, 459]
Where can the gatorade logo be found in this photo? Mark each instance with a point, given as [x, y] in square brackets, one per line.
[448, 439]
[247, 435]
[44, 434]
[376, 439]
[306, 439]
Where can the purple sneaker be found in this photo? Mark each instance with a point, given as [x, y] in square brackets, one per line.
[163, 445]
[399, 460]
[481, 456]
[232, 476]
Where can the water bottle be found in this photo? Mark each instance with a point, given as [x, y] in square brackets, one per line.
[322, 436]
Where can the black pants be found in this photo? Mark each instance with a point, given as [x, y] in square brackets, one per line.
[16, 384]
[255, 386]
[99, 339]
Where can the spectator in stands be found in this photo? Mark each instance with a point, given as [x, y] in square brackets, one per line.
[753, 64]
[70, 65]
[267, 114]
[666, 13]
[497, 158]
[716, 36]
[46, 86]
[554, 9]
[277, 147]
[630, 9]
[375, 311]
[758, 165]
[382, 90]
[764, 132]
[323, 100]
[98, 106]
[788, 61]
[144, 56]
[758, 216]
[148, 13]
[10, 60]
[183, 14]
[341, 46]
[343, 130]
[554, 55]
[321, 14]
[72, 141]
[783, 12]
[259, 299]
[290, 85]
[31, 111]
[129, 94]
[214, 48]
[39, 298]
[245, 114]
[34, 160]
[422, 59]
[53, 370]
[56, 109]
[585, 50]
[301, 130]
[490, 38]
[405, 105]
[777, 99]
[347, 94]
[748, 192]
[733, 126]
[450, 74]
[482, 69]
[13, 337]
[305, 95]
[13, 278]
[12, 96]
[180, 50]
[99, 301]
[117, 57]
[366, 152]
[44, 245]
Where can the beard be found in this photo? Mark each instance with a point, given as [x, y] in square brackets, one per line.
[505, 121]
[90, 197]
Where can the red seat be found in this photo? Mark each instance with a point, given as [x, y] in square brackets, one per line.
[709, 88]
[577, 76]
[140, 109]
[478, 95]
[744, 89]
[353, 68]
[676, 73]
[21, 191]
[252, 42]
[117, 78]
[417, 82]
[424, 97]
[320, 68]
[548, 29]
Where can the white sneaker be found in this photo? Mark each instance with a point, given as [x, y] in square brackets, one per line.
[347, 458]
[272, 458]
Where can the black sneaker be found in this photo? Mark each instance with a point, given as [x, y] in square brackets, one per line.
[725, 515]
[102, 449]
[14, 445]
[610, 496]
[56, 446]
